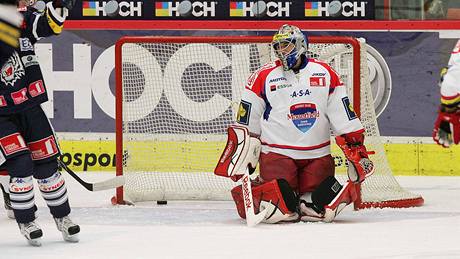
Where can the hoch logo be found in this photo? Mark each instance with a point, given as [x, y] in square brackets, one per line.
[349, 9]
[94, 8]
[186, 8]
[271, 9]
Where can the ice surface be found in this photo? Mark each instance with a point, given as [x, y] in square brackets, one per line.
[214, 230]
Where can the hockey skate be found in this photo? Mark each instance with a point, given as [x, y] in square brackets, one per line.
[6, 200]
[69, 229]
[8, 208]
[32, 232]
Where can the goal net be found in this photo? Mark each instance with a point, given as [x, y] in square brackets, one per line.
[176, 96]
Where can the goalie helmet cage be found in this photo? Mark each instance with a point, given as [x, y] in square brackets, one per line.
[175, 97]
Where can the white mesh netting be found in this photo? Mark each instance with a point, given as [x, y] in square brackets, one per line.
[178, 99]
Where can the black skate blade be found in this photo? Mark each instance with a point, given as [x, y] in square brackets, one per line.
[36, 234]
[74, 230]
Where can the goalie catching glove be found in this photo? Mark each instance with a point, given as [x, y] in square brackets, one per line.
[447, 126]
[359, 166]
[242, 151]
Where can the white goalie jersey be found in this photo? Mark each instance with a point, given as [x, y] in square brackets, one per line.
[450, 86]
[294, 112]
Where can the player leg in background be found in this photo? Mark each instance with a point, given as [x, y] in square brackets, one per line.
[45, 151]
[5, 186]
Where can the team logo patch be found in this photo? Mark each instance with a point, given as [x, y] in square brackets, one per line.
[30, 60]
[25, 44]
[303, 115]
[36, 88]
[2, 101]
[243, 113]
[43, 148]
[12, 143]
[19, 96]
[317, 81]
[12, 70]
[349, 108]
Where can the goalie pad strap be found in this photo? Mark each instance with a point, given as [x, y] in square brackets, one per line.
[276, 196]
[241, 152]
[326, 202]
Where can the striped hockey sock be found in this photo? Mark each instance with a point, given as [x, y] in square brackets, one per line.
[22, 198]
[54, 191]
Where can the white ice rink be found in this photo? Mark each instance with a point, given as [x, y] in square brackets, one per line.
[213, 229]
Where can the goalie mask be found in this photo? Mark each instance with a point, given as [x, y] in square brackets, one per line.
[289, 44]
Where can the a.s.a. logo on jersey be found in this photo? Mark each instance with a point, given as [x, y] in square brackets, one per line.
[303, 115]
[12, 70]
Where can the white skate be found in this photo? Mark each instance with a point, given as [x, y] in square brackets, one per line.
[32, 232]
[68, 228]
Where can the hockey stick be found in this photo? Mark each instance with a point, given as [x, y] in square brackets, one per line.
[94, 187]
[252, 219]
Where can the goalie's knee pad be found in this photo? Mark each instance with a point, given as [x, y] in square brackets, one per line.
[276, 196]
[327, 201]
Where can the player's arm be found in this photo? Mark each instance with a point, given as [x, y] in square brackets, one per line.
[348, 130]
[10, 20]
[447, 126]
[50, 21]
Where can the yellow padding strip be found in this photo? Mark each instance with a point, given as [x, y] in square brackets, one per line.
[450, 101]
[57, 29]
[168, 156]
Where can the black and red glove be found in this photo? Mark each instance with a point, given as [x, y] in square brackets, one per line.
[447, 127]
[360, 166]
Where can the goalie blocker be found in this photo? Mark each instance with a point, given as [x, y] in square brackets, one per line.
[242, 151]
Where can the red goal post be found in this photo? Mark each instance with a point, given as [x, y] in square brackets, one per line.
[175, 96]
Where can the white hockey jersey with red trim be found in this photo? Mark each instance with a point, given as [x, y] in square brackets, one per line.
[450, 87]
[294, 113]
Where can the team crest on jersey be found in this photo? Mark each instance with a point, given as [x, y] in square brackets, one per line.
[243, 113]
[12, 70]
[303, 115]
[349, 108]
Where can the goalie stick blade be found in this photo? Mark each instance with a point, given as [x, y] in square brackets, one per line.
[255, 219]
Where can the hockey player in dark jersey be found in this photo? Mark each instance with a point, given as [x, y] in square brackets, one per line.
[10, 19]
[29, 148]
